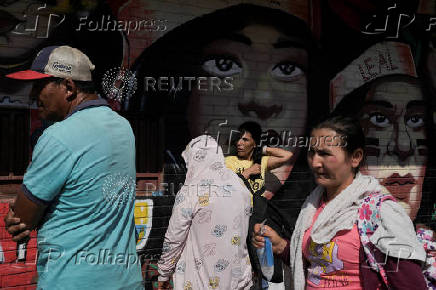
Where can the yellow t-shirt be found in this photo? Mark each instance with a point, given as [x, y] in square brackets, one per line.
[239, 165]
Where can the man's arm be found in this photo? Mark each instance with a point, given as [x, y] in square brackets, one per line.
[278, 157]
[23, 216]
[51, 165]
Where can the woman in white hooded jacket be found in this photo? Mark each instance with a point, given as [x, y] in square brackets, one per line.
[349, 233]
[205, 243]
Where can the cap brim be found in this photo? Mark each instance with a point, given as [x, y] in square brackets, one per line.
[27, 75]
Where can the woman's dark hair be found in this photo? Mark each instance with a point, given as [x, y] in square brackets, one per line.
[253, 128]
[350, 130]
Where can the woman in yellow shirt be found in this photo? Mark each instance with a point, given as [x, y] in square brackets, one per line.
[249, 161]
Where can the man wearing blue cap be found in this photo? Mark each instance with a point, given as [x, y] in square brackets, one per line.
[79, 189]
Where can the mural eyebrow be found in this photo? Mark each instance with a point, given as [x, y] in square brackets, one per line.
[238, 38]
[415, 103]
[288, 42]
[379, 103]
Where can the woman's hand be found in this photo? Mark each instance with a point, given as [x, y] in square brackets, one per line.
[278, 243]
[253, 170]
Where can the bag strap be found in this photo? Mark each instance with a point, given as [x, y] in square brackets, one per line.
[368, 220]
[247, 184]
[283, 220]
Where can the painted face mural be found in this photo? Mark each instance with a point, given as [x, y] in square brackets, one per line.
[254, 67]
[143, 221]
[393, 119]
[390, 103]
[269, 82]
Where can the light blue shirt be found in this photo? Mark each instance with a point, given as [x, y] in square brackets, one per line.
[83, 168]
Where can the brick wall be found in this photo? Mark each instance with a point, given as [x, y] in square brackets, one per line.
[16, 274]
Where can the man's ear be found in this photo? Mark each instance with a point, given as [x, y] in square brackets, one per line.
[71, 89]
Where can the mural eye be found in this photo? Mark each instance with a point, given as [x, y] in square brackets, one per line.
[379, 120]
[286, 71]
[222, 66]
[415, 121]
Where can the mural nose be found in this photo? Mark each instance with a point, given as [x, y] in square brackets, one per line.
[262, 112]
[401, 145]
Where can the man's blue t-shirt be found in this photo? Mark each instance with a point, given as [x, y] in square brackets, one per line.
[83, 168]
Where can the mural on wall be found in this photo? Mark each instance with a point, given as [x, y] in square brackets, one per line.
[143, 221]
[243, 69]
[208, 66]
[382, 88]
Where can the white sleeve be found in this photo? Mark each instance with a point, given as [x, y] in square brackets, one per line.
[396, 235]
[177, 232]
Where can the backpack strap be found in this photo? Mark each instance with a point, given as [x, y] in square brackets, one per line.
[425, 236]
[368, 220]
[247, 184]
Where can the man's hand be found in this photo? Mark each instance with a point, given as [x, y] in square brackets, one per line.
[278, 243]
[14, 227]
[162, 285]
[253, 170]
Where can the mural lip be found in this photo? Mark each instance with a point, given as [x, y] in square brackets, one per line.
[400, 186]
[396, 178]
